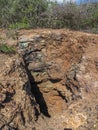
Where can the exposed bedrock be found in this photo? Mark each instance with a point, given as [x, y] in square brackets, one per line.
[51, 83]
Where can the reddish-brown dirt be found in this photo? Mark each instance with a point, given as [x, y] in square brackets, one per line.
[51, 82]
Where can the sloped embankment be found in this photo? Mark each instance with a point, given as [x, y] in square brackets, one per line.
[51, 82]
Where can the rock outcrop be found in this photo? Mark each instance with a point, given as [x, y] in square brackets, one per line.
[51, 83]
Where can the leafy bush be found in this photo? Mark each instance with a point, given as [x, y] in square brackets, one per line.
[7, 49]
[19, 26]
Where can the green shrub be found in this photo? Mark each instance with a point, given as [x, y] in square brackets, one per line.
[7, 49]
[19, 25]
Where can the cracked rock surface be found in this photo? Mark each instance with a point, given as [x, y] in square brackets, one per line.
[51, 82]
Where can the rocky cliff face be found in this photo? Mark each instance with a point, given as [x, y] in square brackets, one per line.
[51, 82]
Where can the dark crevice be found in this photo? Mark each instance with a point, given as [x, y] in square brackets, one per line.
[38, 96]
[1, 105]
[8, 127]
[67, 129]
[9, 97]
[36, 113]
[33, 102]
[61, 95]
[74, 89]
[12, 128]
[72, 84]
[39, 82]
[55, 80]
[23, 118]
[37, 93]
[69, 88]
